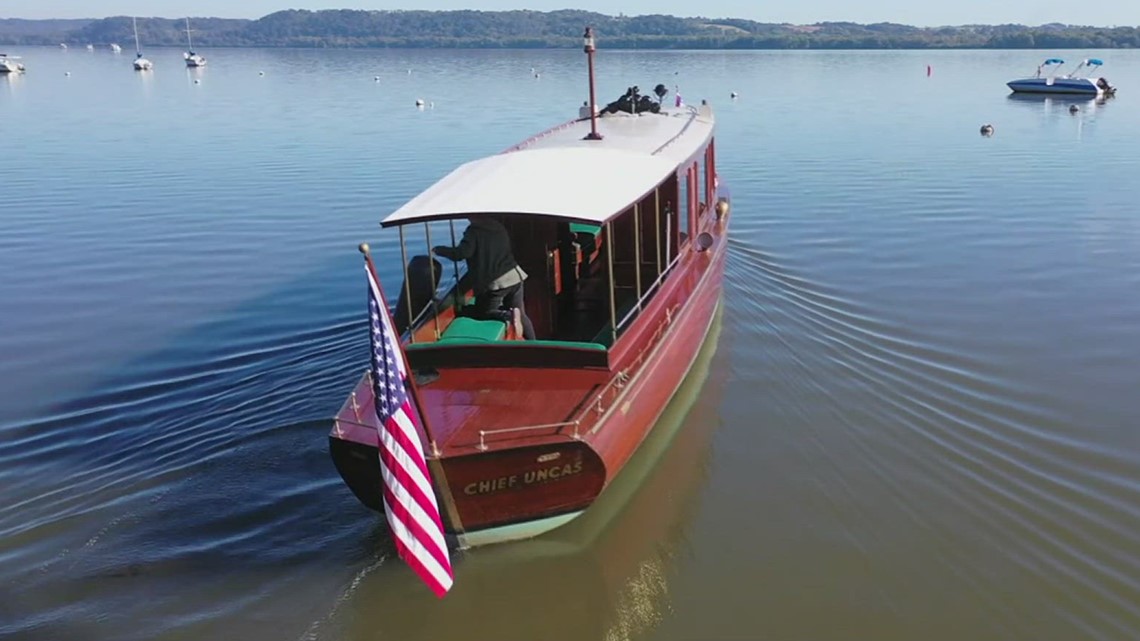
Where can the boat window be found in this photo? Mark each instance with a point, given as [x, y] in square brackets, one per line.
[703, 184]
[694, 196]
[586, 283]
[684, 202]
[707, 176]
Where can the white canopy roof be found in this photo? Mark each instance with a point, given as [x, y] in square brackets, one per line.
[585, 182]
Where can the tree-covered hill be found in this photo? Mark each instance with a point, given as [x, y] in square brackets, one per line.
[351, 28]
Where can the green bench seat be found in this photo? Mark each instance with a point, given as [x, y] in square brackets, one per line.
[584, 228]
[470, 330]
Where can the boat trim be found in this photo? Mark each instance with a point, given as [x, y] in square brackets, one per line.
[482, 446]
[628, 382]
[514, 531]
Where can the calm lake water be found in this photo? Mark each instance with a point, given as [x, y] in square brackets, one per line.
[918, 418]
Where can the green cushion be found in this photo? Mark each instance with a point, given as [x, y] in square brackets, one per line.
[469, 330]
[583, 228]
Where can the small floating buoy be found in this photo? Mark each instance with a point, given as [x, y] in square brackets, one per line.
[409, 72]
[734, 95]
[376, 78]
[928, 71]
[536, 74]
[431, 105]
[1074, 109]
[987, 130]
[67, 73]
[419, 102]
[261, 73]
[197, 82]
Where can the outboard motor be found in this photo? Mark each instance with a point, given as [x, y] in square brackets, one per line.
[423, 272]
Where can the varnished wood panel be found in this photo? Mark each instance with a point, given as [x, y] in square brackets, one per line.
[522, 484]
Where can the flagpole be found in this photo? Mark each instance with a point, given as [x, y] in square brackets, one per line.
[434, 462]
[364, 249]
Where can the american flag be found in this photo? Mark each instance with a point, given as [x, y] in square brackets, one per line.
[409, 500]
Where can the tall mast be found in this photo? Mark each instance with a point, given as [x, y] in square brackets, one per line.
[135, 22]
[188, 42]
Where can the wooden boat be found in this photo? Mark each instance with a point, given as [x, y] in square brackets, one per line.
[621, 223]
[614, 562]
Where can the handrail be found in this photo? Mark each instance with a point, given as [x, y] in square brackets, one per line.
[622, 377]
[482, 433]
[693, 114]
[649, 291]
[540, 135]
[345, 420]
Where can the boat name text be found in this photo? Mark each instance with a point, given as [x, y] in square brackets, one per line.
[528, 478]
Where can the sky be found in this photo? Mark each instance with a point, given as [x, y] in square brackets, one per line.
[913, 12]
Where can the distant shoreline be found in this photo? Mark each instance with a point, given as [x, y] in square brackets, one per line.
[353, 29]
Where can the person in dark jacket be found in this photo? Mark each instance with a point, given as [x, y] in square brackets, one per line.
[495, 275]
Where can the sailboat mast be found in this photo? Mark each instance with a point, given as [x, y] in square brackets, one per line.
[135, 22]
[189, 44]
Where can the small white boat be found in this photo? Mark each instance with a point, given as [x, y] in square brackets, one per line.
[1073, 83]
[116, 48]
[91, 47]
[9, 64]
[141, 63]
[192, 59]
[63, 46]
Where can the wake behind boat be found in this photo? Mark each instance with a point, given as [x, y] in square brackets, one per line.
[1047, 82]
[620, 221]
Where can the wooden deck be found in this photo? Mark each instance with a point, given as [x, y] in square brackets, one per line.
[464, 401]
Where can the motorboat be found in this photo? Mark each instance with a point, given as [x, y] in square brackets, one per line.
[619, 217]
[141, 63]
[1048, 81]
[11, 64]
[192, 59]
[116, 48]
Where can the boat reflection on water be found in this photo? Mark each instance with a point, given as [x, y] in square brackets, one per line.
[12, 81]
[605, 575]
[1057, 102]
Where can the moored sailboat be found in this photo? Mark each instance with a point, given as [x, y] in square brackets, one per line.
[621, 222]
[140, 63]
[192, 59]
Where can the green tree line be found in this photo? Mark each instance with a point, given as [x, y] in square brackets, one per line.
[537, 29]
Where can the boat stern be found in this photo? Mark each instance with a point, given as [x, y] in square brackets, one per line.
[522, 492]
[489, 494]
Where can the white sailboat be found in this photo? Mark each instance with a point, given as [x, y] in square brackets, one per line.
[141, 63]
[192, 59]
